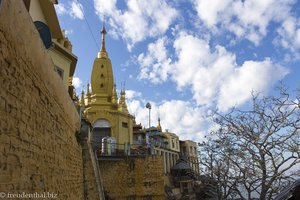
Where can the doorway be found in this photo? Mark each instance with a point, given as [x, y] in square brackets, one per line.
[101, 129]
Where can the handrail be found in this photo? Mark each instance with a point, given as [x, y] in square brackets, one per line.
[102, 196]
[104, 149]
[97, 172]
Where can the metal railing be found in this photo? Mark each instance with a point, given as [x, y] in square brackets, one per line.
[104, 149]
[153, 142]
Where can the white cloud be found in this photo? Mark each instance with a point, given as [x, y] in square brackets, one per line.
[68, 32]
[212, 75]
[73, 9]
[76, 10]
[155, 65]
[246, 19]
[141, 19]
[289, 36]
[60, 9]
[131, 94]
[179, 117]
[77, 82]
[250, 76]
[211, 11]
[215, 76]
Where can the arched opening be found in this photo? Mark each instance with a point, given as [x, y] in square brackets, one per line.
[101, 129]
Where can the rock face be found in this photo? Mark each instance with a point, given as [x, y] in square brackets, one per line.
[38, 148]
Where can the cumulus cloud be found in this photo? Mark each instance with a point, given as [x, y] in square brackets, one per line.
[180, 117]
[139, 21]
[76, 10]
[251, 76]
[289, 35]
[73, 9]
[212, 75]
[60, 9]
[246, 19]
[155, 65]
[77, 82]
[131, 94]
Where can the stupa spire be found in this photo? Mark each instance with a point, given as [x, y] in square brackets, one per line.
[88, 93]
[81, 101]
[103, 53]
[158, 125]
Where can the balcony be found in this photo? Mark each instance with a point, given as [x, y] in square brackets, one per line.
[116, 151]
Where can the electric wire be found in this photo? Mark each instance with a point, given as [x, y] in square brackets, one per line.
[89, 27]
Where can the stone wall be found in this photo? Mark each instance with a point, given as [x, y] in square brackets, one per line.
[93, 191]
[91, 180]
[38, 121]
[133, 178]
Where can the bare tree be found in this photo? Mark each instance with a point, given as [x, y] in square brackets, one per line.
[254, 153]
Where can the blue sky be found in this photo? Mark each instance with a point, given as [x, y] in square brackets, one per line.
[187, 57]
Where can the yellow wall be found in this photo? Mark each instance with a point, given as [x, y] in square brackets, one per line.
[35, 11]
[115, 118]
[137, 177]
[125, 134]
[38, 120]
[191, 148]
[169, 159]
[62, 62]
[100, 104]
[102, 74]
[191, 153]
[172, 138]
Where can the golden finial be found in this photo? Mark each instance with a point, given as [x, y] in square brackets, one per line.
[103, 53]
[115, 95]
[158, 125]
[81, 102]
[88, 94]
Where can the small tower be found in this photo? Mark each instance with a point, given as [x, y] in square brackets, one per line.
[81, 101]
[114, 98]
[158, 125]
[122, 102]
[108, 115]
[134, 122]
[102, 79]
[88, 94]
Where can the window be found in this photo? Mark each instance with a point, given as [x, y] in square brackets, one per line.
[124, 125]
[184, 150]
[60, 72]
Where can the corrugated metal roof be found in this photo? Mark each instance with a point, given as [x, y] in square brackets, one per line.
[287, 192]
